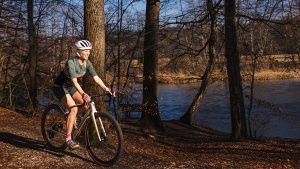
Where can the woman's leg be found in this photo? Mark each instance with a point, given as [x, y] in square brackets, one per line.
[78, 99]
[68, 101]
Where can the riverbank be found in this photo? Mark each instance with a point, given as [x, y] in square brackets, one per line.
[184, 77]
[191, 69]
[221, 76]
[181, 146]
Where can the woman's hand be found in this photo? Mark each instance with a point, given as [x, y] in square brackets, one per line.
[107, 90]
[86, 97]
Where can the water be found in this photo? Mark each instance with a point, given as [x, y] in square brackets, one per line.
[284, 95]
[278, 117]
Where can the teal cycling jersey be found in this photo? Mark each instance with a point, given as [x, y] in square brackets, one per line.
[74, 69]
[77, 70]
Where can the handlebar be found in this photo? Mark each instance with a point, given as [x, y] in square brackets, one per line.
[92, 98]
[98, 95]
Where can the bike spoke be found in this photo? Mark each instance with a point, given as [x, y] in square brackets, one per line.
[53, 127]
[108, 150]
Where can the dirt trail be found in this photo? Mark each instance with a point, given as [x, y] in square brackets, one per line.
[22, 146]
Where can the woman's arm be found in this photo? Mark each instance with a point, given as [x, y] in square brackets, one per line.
[97, 79]
[101, 84]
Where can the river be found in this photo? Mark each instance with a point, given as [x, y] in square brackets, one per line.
[278, 115]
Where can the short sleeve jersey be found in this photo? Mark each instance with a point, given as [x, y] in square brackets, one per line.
[74, 70]
[77, 70]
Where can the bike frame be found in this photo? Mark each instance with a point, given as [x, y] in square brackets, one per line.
[90, 114]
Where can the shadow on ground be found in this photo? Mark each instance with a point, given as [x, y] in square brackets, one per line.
[28, 143]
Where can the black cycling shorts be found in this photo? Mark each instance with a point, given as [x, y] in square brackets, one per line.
[61, 91]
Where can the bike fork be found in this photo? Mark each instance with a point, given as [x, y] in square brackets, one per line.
[95, 122]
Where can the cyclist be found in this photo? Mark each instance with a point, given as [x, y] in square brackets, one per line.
[67, 86]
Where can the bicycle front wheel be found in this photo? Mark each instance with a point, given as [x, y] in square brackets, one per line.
[53, 127]
[108, 149]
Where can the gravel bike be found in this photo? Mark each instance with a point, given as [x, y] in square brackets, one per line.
[102, 135]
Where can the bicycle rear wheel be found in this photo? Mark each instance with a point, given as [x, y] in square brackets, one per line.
[107, 151]
[53, 127]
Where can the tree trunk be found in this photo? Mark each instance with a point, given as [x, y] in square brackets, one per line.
[94, 31]
[32, 55]
[238, 120]
[194, 107]
[298, 5]
[150, 117]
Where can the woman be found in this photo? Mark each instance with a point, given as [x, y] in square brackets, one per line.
[67, 87]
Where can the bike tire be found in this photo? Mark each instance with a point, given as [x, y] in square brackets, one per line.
[53, 127]
[108, 151]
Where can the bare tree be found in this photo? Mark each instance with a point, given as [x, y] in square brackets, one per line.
[32, 54]
[150, 117]
[238, 120]
[194, 107]
[94, 31]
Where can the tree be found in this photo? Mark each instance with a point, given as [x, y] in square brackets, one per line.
[32, 55]
[94, 31]
[150, 117]
[238, 120]
[194, 107]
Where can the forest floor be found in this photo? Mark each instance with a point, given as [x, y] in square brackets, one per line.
[181, 146]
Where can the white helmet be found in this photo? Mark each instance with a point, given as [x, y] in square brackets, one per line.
[83, 44]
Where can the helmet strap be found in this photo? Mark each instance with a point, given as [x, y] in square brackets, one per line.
[80, 57]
